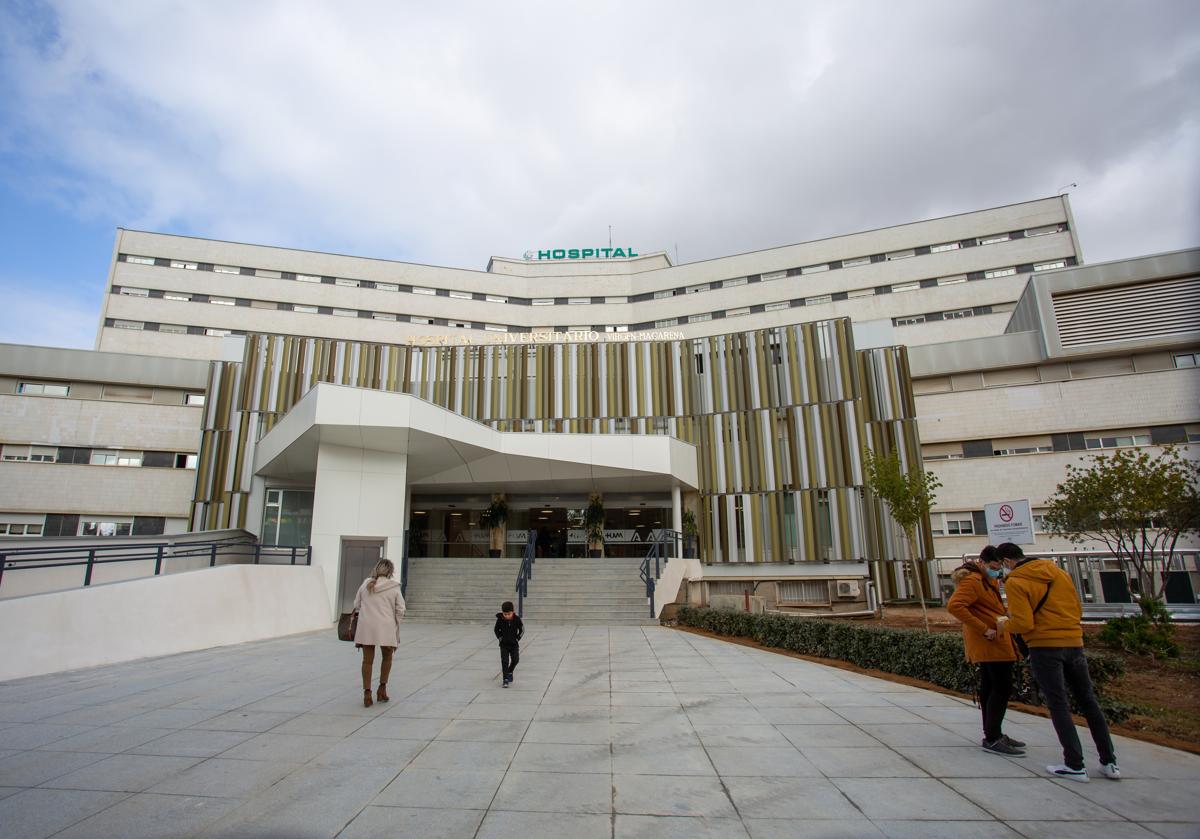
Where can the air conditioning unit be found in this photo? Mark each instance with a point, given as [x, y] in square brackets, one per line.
[847, 588]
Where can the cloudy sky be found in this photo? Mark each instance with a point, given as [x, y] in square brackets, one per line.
[446, 133]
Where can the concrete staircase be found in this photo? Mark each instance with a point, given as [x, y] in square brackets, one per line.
[589, 591]
[593, 591]
[448, 590]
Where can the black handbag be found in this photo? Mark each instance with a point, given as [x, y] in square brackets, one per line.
[347, 625]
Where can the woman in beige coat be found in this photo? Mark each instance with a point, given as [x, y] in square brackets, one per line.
[380, 607]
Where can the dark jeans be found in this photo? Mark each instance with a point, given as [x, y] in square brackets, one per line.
[995, 687]
[510, 654]
[1057, 670]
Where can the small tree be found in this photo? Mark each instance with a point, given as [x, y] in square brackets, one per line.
[690, 532]
[493, 518]
[1137, 504]
[593, 524]
[909, 497]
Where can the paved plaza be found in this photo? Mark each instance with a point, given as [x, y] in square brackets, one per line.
[608, 732]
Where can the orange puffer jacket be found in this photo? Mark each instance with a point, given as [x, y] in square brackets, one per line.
[976, 604]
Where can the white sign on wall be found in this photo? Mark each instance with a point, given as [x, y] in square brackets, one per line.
[1009, 521]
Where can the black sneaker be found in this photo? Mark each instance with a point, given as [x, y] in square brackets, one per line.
[1061, 770]
[999, 747]
[1016, 744]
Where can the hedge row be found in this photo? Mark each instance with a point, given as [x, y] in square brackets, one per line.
[934, 657]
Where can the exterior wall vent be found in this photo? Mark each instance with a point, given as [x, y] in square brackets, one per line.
[1130, 312]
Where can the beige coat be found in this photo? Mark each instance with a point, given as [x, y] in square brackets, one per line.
[379, 614]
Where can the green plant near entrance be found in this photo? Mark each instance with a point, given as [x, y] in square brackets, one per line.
[909, 497]
[1150, 633]
[690, 533]
[494, 517]
[593, 523]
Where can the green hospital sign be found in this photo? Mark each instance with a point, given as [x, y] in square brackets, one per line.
[581, 253]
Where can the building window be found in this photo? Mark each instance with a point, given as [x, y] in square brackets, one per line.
[999, 272]
[383, 316]
[135, 292]
[227, 269]
[495, 327]
[578, 301]
[856, 261]
[186, 461]
[105, 528]
[955, 280]
[427, 291]
[946, 246]
[190, 266]
[173, 328]
[700, 318]
[773, 275]
[11, 452]
[736, 281]
[304, 309]
[960, 527]
[342, 281]
[1050, 266]
[814, 269]
[308, 278]
[217, 333]
[1118, 442]
[495, 298]
[103, 457]
[860, 292]
[458, 324]
[905, 254]
[736, 313]
[194, 399]
[268, 275]
[774, 307]
[958, 313]
[993, 240]
[909, 321]
[696, 289]
[616, 329]
[346, 313]
[906, 286]
[222, 301]
[543, 301]
[1186, 359]
[660, 324]
[387, 287]
[1021, 450]
[1042, 231]
[128, 324]
[42, 389]
[181, 296]
[139, 260]
[287, 517]
[416, 319]
[818, 300]
[460, 295]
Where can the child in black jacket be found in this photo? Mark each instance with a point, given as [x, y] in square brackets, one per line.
[509, 630]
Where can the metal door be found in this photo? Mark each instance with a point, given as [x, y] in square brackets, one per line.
[358, 561]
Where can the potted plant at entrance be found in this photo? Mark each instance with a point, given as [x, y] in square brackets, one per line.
[690, 532]
[493, 517]
[593, 523]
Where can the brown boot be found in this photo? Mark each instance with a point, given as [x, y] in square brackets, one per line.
[381, 694]
[367, 703]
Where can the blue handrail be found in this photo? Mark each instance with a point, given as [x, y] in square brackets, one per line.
[659, 553]
[526, 572]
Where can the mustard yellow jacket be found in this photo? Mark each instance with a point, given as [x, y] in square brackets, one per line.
[1057, 623]
[976, 604]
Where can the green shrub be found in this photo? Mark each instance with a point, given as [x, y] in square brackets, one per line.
[936, 658]
[1150, 633]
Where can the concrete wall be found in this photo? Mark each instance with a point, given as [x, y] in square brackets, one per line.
[48, 633]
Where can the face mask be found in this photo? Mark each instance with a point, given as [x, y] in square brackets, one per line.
[995, 573]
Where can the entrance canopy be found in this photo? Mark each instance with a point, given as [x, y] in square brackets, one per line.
[447, 452]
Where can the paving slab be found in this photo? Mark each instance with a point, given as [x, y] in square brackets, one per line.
[608, 732]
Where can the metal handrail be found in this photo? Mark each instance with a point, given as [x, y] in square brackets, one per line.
[526, 572]
[92, 555]
[659, 554]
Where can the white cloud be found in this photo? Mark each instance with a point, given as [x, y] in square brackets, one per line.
[448, 134]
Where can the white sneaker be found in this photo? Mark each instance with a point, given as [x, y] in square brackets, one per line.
[1110, 771]
[1061, 770]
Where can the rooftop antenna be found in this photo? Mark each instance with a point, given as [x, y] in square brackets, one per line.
[610, 237]
[1063, 189]
[676, 253]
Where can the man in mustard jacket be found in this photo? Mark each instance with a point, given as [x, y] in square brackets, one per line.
[1046, 612]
